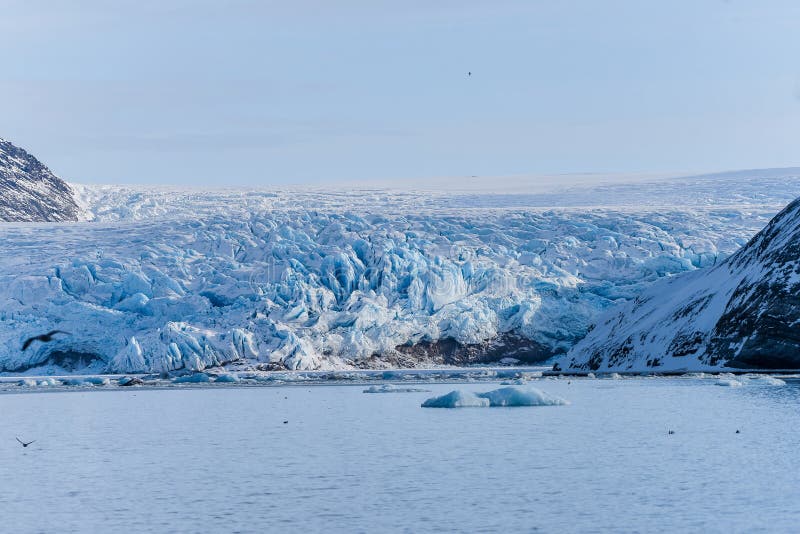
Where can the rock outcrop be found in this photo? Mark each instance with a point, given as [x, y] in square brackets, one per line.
[29, 192]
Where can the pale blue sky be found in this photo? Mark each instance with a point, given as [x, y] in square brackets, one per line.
[263, 93]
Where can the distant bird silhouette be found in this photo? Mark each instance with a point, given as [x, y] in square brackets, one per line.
[737, 431]
[44, 338]
[469, 74]
[671, 432]
[25, 444]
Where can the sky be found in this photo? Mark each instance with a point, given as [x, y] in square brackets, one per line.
[261, 93]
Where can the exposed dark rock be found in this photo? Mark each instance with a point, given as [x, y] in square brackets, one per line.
[131, 381]
[29, 192]
[450, 352]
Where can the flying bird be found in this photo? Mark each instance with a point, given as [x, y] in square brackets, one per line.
[25, 444]
[44, 338]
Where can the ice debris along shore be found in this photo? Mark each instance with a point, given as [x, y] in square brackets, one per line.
[391, 388]
[416, 380]
[503, 397]
[164, 280]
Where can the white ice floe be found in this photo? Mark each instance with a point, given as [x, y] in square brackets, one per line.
[507, 396]
[517, 382]
[456, 399]
[194, 378]
[767, 381]
[728, 382]
[390, 388]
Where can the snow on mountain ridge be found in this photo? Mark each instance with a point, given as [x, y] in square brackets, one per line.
[29, 191]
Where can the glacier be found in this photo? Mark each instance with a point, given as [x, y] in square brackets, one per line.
[167, 279]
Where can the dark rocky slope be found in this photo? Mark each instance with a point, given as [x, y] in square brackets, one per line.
[743, 313]
[30, 192]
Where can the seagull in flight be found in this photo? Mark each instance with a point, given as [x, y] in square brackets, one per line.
[25, 444]
[44, 338]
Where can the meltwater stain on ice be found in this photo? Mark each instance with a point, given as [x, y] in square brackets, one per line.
[508, 396]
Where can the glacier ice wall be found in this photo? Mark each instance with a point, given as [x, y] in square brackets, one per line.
[304, 279]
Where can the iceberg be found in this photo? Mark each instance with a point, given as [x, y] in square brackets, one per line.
[195, 378]
[456, 399]
[503, 397]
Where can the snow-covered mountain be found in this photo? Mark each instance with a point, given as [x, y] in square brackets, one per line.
[306, 278]
[30, 192]
[742, 313]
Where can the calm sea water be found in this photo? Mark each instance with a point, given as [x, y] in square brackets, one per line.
[214, 460]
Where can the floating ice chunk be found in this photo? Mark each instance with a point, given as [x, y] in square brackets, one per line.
[768, 380]
[517, 382]
[48, 382]
[390, 388]
[615, 376]
[508, 396]
[195, 378]
[456, 399]
[728, 382]
[76, 382]
[227, 378]
[97, 380]
[393, 375]
[27, 382]
[85, 381]
[516, 396]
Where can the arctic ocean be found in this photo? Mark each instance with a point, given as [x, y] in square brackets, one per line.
[332, 458]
